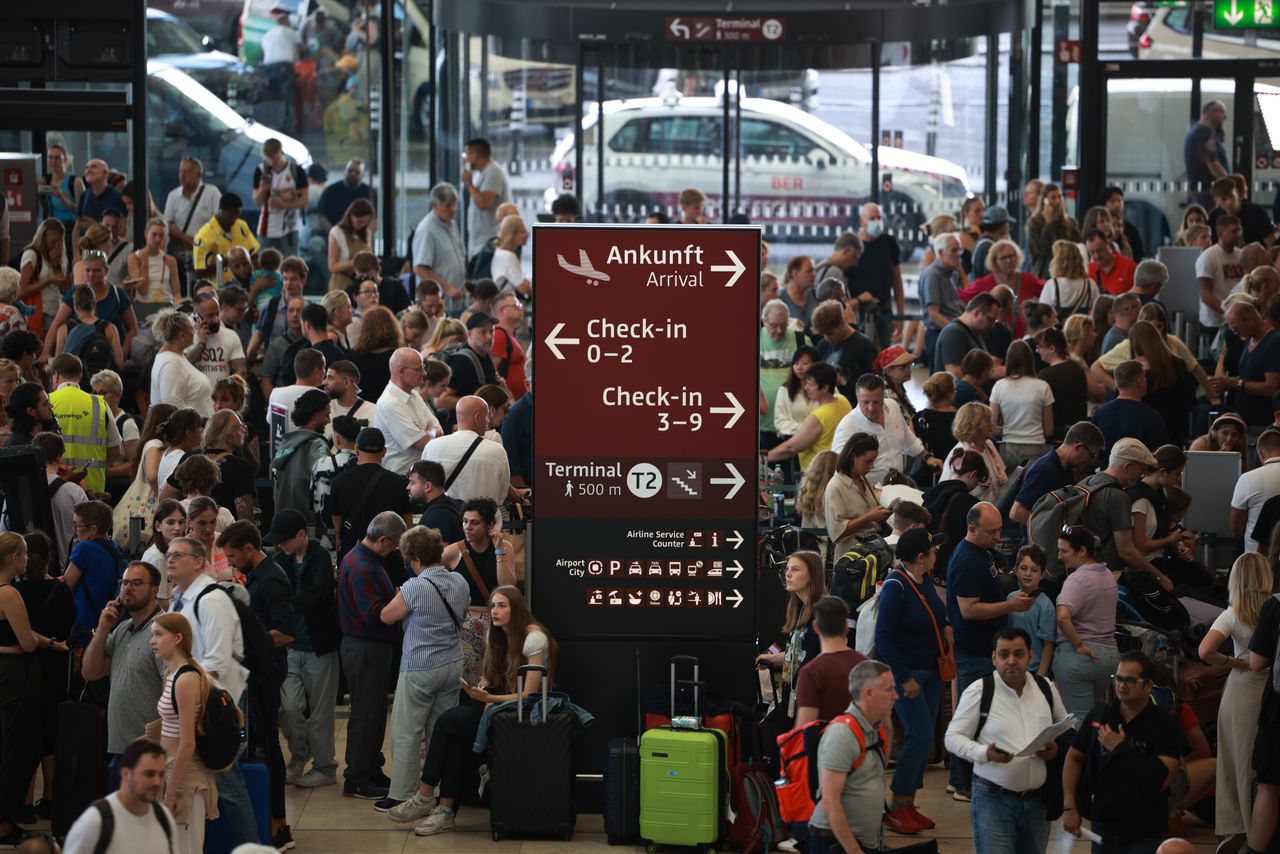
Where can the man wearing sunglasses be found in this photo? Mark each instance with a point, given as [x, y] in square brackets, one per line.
[1120, 765]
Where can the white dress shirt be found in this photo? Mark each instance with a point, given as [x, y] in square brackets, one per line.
[897, 440]
[219, 639]
[1013, 721]
[404, 418]
[486, 475]
[177, 207]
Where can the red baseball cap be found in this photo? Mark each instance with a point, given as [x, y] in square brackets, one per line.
[893, 356]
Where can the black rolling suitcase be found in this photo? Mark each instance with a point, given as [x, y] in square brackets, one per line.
[531, 770]
[622, 792]
[79, 759]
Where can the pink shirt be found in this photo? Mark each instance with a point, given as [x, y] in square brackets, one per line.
[1090, 594]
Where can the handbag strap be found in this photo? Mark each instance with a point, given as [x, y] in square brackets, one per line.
[191, 212]
[942, 650]
[452, 615]
[471, 568]
[457, 470]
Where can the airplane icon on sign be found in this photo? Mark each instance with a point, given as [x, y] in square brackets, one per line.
[584, 268]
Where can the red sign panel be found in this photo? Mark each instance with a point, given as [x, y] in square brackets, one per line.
[645, 429]
[1067, 51]
[730, 29]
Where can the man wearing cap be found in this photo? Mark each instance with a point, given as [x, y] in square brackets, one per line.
[875, 281]
[1111, 270]
[364, 490]
[1056, 469]
[994, 227]
[842, 347]
[1109, 512]
[342, 381]
[406, 423]
[311, 680]
[472, 365]
[1255, 487]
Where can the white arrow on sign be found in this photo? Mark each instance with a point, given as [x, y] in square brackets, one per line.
[678, 29]
[736, 539]
[736, 569]
[735, 482]
[1234, 16]
[737, 268]
[734, 411]
[553, 341]
[736, 598]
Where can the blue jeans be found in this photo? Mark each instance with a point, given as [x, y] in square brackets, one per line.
[918, 718]
[1083, 681]
[1112, 844]
[1005, 824]
[234, 803]
[969, 669]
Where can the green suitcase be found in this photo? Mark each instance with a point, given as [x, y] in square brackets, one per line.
[683, 780]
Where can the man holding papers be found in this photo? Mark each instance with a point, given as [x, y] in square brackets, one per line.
[999, 718]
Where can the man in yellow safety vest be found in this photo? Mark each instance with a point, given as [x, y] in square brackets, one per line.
[88, 429]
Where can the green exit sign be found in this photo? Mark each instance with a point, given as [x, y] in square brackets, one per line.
[1244, 14]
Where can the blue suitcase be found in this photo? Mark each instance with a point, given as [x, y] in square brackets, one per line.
[217, 834]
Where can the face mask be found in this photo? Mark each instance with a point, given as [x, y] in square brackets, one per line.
[875, 227]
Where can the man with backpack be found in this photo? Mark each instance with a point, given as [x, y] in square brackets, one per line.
[63, 494]
[94, 568]
[470, 362]
[996, 716]
[508, 355]
[89, 431]
[1056, 469]
[131, 819]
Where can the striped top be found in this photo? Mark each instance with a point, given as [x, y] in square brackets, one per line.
[430, 634]
[168, 710]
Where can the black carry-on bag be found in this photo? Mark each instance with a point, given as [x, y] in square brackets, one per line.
[531, 769]
[79, 758]
[622, 781]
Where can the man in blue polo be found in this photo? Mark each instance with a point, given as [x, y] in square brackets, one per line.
[1056, 469]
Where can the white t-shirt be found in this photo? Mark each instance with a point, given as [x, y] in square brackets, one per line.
[279, 44]
[1252, 491]
[1069, 294]
[156, 558]
[222, 348]
[1022, 402]
[177, 207]
[169, 461]
[1225, 270]
[176, 381]
[132, 833]
[1229, 624]
[130, 432]
[50, 296]
[506, 269]
[1144, 506]
[282, 401]
[364, 411]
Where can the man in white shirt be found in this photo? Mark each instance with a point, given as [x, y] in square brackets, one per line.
[1254, 488]
[217, 351]
[488, 186]
[342, 381]
[190, 204]
[132, 818]
[404, 418]
[1217, 270]
[1008, 811]
[486, 472]
[882, 419]
[309, 370]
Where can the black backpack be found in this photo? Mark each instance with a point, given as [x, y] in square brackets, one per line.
[95, 353]
[220, 731]
[259, 651]
[108, 829]
[482, 263]
[857, 572]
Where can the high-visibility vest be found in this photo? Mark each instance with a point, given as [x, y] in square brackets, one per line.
[83, 419]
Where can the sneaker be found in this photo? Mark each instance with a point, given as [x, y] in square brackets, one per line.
[440, 821]
[386, 804]
[414, 809]
[923, 820]
[962, 795]
[294, 770]
[790, 846]
[316, 778]
[283, 840]
[902, 820]
[951, 790]
[363, 791]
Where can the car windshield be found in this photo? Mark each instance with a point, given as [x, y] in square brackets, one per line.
[165, 37]
[205, 108]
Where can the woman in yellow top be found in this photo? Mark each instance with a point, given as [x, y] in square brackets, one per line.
[819, 427]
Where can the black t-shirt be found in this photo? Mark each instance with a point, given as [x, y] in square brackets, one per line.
[874, 271]
[486, 567]
[1255, 223]
[333, 353]
[852, 357]
[237, 475]
[934, 429]
[1263, 642]
[1070, 389]
[954, 341]
[1119, 419]
[465, 381]
[442, 513]
[337, 197]
[375, 372]
[1128, 798]
[347, 500]
[998, 339]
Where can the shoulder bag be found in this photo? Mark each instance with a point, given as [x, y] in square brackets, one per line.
[946, 656]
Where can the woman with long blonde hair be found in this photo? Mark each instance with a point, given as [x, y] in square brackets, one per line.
[1049, 225]
[45, 274]
[1250, 585]
[190, 792]
[1069, 289]
[973, 428]
[809, 496]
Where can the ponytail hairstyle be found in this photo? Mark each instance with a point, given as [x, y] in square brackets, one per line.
[964, 461]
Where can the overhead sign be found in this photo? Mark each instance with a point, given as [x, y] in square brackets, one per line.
[733, 29]
[645, 430]
[1244, 14]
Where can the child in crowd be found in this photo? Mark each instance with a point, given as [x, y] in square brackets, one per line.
[268, 271]
[1039, 622]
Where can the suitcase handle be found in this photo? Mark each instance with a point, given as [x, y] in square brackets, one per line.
[520, 672]
[697, 691]
[675, 660]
